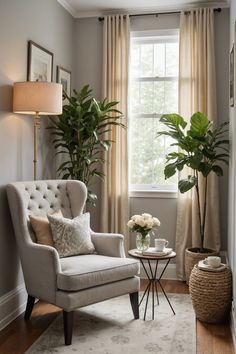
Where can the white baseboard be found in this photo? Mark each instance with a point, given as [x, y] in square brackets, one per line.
[12, 305]
[170, 272]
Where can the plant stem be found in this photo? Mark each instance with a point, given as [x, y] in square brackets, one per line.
[199, 211]
[204, 212]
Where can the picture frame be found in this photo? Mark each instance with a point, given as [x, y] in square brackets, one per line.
[231, 77]
[64, 78]
[40, 63]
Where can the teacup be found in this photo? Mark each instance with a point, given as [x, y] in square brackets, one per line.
[213, 261]
[160, 244]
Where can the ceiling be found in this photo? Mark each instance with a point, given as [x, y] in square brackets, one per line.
[92, 8]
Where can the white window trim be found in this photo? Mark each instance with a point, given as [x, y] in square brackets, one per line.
[154, 191]
[153, 194]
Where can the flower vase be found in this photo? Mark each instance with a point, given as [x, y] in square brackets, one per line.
[142, 242]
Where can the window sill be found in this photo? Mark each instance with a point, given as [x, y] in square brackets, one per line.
[153, 194]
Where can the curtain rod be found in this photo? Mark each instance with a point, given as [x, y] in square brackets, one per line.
[158, 13]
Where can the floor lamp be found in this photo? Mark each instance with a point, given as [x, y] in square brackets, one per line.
[37, 98]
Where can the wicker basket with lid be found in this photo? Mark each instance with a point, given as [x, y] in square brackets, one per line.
[211, 294]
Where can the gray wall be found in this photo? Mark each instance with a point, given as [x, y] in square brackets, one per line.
[88, 46]
[232, 178]
[49, 25]
[89, 70]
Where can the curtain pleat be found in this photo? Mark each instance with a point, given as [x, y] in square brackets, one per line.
[197, 92]
[114, 191]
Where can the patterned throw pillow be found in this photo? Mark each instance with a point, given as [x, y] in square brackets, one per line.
[72, 236]
[41, 227]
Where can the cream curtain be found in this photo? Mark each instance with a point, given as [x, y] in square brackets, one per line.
[197, 92]
[114, 193]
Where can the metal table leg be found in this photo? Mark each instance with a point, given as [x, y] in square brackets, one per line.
[152, 286]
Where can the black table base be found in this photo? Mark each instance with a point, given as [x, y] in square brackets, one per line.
[152, 286]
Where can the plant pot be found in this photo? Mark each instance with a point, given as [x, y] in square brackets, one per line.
[193, 256]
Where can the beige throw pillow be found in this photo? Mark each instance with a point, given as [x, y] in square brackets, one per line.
[42, 229]
[72, 236]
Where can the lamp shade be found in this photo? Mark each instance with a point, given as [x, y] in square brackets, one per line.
[43, 98]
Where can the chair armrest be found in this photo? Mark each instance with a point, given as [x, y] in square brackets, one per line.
[41, 265]
[111, 245]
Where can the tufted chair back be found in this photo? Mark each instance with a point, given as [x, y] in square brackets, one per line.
[43, 197]
[41, 263]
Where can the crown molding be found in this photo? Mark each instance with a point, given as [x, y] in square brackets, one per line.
[68, 7]
[143, 10]
[87, 14]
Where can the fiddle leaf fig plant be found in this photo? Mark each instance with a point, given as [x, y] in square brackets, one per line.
[202, 149]
[78, 134]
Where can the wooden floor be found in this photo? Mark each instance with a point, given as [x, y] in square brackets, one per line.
[20, 334]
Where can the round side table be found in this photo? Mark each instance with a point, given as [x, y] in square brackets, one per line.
[152, 277]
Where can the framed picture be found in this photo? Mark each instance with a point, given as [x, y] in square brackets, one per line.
[231, 77]
[64, 78]
[40, 63]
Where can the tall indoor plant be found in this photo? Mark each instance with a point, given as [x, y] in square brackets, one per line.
[202, 149]
[79, 135]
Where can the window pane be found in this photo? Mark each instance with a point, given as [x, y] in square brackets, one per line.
[171, 97]
[159, 97]
[172, 59]
[159, 59]
[141, 151]
[154, 97]
[147, 155]
[146, 60]
[162, 147]
[142, 98]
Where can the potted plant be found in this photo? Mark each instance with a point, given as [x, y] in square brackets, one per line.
[202, 149]
[79, 135]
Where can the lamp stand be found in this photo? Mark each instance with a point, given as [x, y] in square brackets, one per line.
[36, 126]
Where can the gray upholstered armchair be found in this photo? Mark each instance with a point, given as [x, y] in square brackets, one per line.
[75, 281]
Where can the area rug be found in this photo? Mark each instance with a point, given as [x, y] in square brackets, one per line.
[109, 328]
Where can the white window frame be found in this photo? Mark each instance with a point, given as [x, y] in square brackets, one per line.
[153, 190]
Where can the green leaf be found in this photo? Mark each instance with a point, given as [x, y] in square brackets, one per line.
[205, 168]
[170, 170]
[195, 160]
[218, 170]
[105, 144]
[173, 120]
[187, 184]
[199, 124]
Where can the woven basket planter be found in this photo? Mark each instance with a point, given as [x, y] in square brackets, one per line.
[192, 257]
[211, 294]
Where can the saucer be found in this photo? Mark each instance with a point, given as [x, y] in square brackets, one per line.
[204, 266]
[151, 251]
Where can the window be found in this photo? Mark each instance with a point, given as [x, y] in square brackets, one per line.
[153, 92]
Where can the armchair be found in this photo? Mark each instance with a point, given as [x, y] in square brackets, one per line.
[75, 281]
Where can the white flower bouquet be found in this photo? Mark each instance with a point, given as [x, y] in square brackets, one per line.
[143, 223]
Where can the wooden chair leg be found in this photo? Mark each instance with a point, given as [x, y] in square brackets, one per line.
[29, 307]
[134, 304]
[68, 326]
